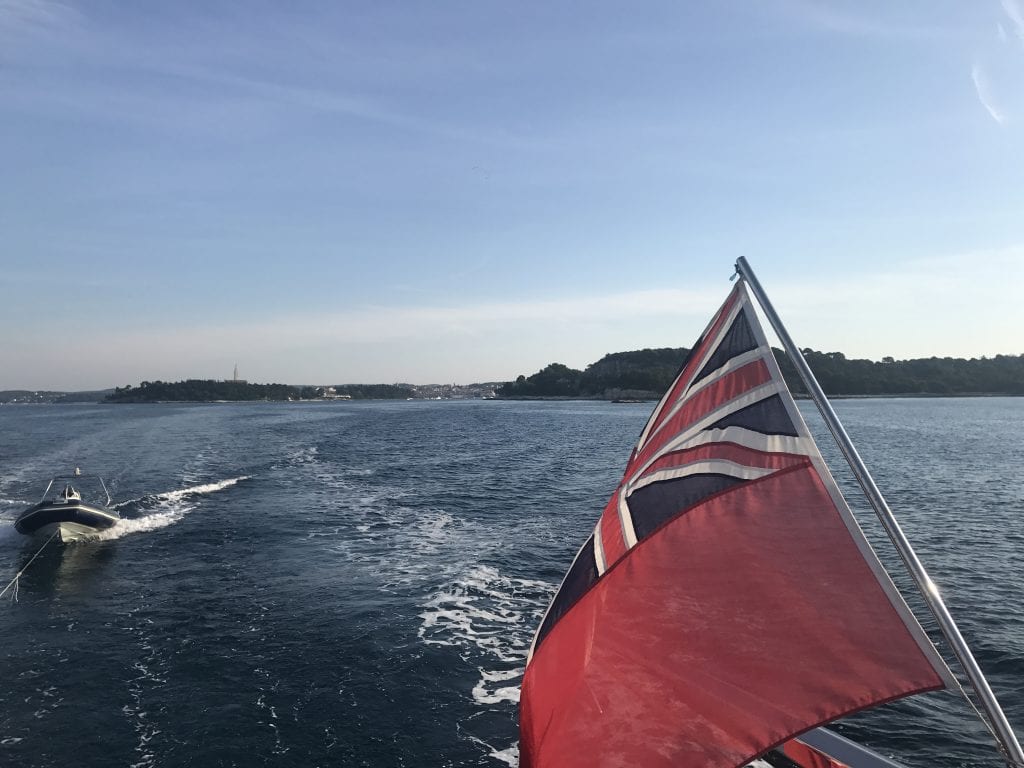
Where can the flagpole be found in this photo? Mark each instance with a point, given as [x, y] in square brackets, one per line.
[1002, 731]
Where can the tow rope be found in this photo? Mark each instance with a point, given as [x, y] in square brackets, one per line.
[14, 581]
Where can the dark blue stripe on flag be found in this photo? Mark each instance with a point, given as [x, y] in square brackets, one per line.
[737, 340]
[768, 416]
[580, 578]
[657, 503]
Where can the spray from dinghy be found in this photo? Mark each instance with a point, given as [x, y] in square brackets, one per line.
[9, 511]
[159, 510]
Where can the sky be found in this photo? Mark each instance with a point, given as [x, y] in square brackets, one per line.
[342, 192]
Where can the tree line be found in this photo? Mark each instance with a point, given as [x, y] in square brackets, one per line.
[211, 390]
[647, 373]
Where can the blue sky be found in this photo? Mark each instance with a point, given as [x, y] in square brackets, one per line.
[466, 191]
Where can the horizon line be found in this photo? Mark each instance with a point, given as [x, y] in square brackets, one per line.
[483, 382]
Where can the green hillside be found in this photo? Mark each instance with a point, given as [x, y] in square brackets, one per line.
[647, 373]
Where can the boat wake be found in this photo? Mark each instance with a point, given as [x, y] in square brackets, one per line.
[148, 673]
[509, 756]
[484, 616]
[201, 490]
[163, 509]
[484, 612]
[9, 511]
[490, 618]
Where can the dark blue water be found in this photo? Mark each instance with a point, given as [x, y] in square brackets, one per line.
[356, 584]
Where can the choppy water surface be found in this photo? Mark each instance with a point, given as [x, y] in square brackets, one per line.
[356, 584]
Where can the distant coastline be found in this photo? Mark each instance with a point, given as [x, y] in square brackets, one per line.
[640, 375]
[212, 390]
[647, 373]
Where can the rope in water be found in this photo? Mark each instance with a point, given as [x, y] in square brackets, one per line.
[14, 581]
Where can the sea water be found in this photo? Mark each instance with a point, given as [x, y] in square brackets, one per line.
[357, 583]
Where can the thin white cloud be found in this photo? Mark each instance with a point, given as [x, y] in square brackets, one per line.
[323, 100]
[1016, 16]
[982, 89]
[826, 16]
[19, 18]
[377, 324]
[938, 306]
[30, 12]
[1001, 32]
[193, 68]
[947, 278]
[372, 343]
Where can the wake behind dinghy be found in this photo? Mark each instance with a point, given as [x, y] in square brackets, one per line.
[65, 512]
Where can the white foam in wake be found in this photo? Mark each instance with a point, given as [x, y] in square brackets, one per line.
[508, 756]
[482, 694]
[171, 507]
[487, 612]
[490, 618]
[142, 524]
[200, 490]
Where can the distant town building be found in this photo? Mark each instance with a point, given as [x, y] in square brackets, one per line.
[234, 379]
[330, 393]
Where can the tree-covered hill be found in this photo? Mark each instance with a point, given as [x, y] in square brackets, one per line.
[211, 390]
[205, 390]
[999, 375]
[648, 373]
[619, 374]
[642, 370]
